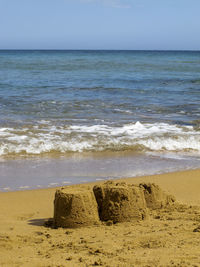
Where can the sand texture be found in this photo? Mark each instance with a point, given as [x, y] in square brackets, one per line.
[170, 236]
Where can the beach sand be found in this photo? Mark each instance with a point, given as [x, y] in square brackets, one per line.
[170, 237]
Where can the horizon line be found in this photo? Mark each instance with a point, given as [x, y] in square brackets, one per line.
[98, 49]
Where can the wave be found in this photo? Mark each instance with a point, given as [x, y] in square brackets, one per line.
[47, 138]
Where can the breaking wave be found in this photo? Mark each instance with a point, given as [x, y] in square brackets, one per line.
[47, 138]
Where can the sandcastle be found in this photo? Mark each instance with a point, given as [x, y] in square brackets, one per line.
[116, 202]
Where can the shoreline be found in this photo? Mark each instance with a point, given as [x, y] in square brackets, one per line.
[35, 173]
[24, 240]
[164, 180]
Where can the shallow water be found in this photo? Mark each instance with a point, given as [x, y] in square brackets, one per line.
[57, 105]
[21, 174]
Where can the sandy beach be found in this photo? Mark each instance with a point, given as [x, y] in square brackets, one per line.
[170, 237]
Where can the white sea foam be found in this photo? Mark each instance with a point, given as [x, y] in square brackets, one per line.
[6, 188]
[77, 138]
[123, 110]
[54, 184]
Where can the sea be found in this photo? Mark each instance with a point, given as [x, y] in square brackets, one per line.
[75, 116]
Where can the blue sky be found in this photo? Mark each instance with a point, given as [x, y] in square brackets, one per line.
[100, 24]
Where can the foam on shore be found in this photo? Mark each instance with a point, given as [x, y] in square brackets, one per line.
[49, 138]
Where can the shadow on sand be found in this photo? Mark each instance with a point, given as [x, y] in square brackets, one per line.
[47, 222]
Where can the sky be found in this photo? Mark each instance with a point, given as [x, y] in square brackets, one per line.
[100, 24]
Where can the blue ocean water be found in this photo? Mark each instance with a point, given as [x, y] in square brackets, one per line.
[67, 103]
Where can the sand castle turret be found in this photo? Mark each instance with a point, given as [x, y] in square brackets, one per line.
[75, 207]
[155, 197]
[120, 202]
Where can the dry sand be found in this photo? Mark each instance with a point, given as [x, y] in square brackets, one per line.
[170, 237]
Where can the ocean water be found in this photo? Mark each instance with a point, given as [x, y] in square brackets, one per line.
[77, 116]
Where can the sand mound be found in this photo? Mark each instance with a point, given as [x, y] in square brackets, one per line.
[111, 202]
[155, 197]
[75, 207]
[120, 202]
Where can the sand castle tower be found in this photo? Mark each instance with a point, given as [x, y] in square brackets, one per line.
[155, 197]
[120, 202]
[75, 207]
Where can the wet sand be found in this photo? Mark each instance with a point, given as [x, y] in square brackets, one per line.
[169, 238]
